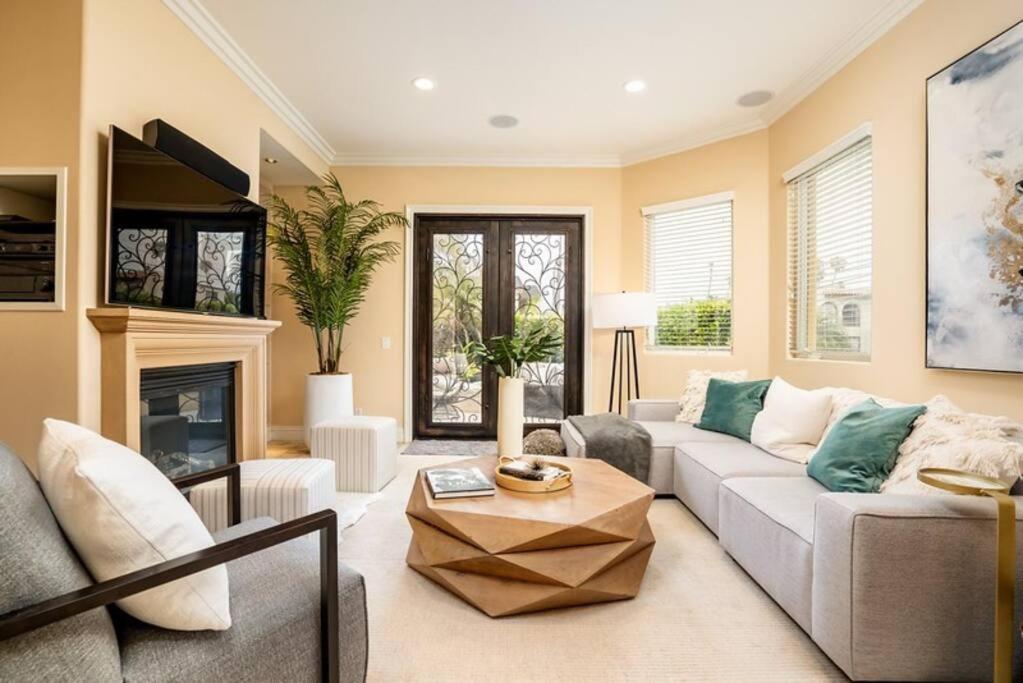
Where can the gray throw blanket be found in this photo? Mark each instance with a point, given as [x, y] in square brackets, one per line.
[617, 441]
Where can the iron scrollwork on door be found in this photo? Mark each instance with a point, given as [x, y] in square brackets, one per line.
[540, 295]
[457, 281]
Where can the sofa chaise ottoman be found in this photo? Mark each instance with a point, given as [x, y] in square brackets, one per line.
[364, 449]
[279, 488]
[890, 587]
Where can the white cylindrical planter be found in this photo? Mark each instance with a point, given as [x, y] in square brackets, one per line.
[326, 397]
[510, 416]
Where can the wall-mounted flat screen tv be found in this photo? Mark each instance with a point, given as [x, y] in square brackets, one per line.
[177, 239]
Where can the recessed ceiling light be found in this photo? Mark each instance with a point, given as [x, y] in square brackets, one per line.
[424, 83]
[270, 160]
[755, 98]
[503, 121]
[634, 86]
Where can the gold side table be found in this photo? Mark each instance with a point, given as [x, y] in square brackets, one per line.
[971, 484]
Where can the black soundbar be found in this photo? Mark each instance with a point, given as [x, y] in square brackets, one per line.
[172, 142]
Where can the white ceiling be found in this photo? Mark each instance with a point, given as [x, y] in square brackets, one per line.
[340, 71]
[285, 169]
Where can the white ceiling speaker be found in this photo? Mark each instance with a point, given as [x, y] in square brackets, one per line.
[503, 121]
[755, 98]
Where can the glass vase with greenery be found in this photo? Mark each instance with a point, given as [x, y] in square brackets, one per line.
[536, 342]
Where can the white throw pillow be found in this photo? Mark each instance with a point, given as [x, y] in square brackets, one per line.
[694, 396]
[122, 514]
[792, 421]
[945, 436]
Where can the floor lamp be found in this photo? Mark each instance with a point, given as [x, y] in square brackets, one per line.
[623, 312]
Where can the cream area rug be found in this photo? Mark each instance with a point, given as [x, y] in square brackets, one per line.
[698, 616]
[351, 507]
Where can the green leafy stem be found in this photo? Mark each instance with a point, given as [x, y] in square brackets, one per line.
[535, 343]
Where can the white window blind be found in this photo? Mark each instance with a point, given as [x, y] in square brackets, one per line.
[689, 271]
[830, 226]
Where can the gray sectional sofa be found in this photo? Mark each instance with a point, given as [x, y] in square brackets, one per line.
[890, 587]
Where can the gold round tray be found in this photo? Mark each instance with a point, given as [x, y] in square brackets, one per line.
[511, 483]
[959, 481]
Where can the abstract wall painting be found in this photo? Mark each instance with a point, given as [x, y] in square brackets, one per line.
[975, 209]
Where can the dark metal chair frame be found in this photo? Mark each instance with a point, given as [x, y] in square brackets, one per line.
[107, 592]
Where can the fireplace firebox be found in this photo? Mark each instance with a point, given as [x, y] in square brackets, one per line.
[187, 417]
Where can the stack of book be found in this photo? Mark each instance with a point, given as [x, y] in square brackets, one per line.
[458, 482]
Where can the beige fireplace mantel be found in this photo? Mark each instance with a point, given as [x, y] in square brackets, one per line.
[134, 339]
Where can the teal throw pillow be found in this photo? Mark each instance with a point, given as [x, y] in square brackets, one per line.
[860, 450]
[731, 406]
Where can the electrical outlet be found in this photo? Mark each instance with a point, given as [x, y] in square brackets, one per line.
[358, 411]
[385, 343]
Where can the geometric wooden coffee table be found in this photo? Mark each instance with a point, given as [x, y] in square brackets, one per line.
[523, 552]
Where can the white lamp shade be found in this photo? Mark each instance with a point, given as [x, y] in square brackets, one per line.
[624, 309]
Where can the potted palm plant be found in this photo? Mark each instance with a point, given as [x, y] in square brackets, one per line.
[508, 354]
[329, 252]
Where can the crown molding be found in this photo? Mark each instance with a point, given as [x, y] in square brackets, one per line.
[888, 16]
[698, 139]
[193, 15]
[196, 18]
[498, 160]
[554, 161]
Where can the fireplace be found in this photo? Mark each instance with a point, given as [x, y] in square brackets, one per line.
[137, 340]
[187, 419]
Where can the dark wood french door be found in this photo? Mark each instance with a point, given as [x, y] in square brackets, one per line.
[476, 277]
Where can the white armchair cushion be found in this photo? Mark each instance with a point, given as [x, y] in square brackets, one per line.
[694, 396]
[122, 514]
[945, 436]
[792, 421]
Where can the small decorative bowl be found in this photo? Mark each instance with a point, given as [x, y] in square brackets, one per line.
[506, 481]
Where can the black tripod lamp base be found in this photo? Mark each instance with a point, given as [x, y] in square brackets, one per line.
[624, 370]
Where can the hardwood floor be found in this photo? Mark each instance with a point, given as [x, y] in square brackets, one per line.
[287, 449]
[297, 449]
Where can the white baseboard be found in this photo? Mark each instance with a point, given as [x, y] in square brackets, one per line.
[289, 433]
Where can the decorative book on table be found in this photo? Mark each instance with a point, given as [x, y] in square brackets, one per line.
[458, 482]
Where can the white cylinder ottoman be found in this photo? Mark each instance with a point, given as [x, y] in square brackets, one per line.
[284, 489]
[364, 450]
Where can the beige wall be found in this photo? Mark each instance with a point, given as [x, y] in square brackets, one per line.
[39, 127]
[98, 63]
[378, 373]
[140, 62]
[885, 85]
[738, 165]
[107, 61]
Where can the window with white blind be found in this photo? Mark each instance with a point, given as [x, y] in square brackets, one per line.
[689, 271]
[830, 226]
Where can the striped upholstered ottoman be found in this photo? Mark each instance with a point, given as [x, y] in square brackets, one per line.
[364, 450]
[278, 488]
